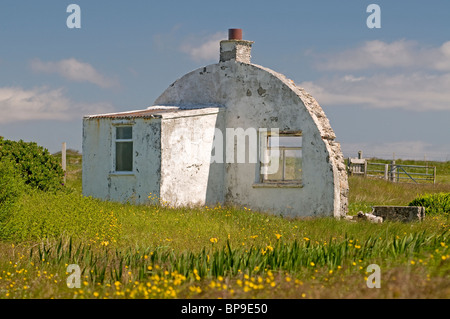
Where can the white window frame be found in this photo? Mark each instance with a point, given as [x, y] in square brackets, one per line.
[114, 149]
[274, 153]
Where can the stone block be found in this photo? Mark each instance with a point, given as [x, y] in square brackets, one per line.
[400, 213]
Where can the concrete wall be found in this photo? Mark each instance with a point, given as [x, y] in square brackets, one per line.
[187, 176]
[256, 97]
[99, 178]
[96, 150]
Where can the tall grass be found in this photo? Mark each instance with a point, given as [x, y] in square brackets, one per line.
[127, 251]
[103, 264]
[41, 215]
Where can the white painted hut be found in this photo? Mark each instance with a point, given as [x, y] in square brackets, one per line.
[230, 133]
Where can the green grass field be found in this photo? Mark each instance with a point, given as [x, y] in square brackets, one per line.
[149, 251]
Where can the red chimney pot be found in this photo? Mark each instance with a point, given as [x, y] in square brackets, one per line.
[234, 34]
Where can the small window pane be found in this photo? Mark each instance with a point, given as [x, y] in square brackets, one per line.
[293, 165]
[124, 133]
[124, 156]
[285, 141]
[278, 175]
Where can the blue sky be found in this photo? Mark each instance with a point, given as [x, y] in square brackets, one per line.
[385, 91]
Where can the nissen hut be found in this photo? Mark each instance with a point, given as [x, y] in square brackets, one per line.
[230, 133]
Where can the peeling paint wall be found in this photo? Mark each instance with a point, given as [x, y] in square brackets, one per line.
[99, 178]
[256, 97]
[96, 150]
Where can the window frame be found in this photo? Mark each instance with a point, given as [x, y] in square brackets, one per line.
[265, 150]
[122, 140]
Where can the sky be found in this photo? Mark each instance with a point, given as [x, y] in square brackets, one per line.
[385, 90]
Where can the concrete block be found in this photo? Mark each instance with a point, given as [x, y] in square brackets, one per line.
[400, 213]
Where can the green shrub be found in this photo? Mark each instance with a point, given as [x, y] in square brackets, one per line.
[434, 203]
[36, 165]
[11, 187]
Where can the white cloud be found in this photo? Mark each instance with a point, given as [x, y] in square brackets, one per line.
[442, 60]
[415, 92]
[18, 104]
[400, 74]
[351, 78]
[204, 49]
[74, 70]
[379, 54]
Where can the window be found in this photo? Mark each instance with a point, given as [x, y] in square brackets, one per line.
[124, 149]
[282, 157]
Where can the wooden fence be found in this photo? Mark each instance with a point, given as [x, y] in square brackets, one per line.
[391, 171]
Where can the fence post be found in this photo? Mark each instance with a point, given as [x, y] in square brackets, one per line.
[386, 171]
[63, 160]
[434, 175]
[349, 169]
[393, 171]
[365, 168]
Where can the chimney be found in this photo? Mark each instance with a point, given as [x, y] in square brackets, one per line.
[235, 49]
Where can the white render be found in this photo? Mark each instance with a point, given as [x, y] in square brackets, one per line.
[173, 148]
[99, 179]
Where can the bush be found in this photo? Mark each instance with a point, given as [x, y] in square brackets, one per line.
[37, 167]
[434, 203]
[11, 187]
